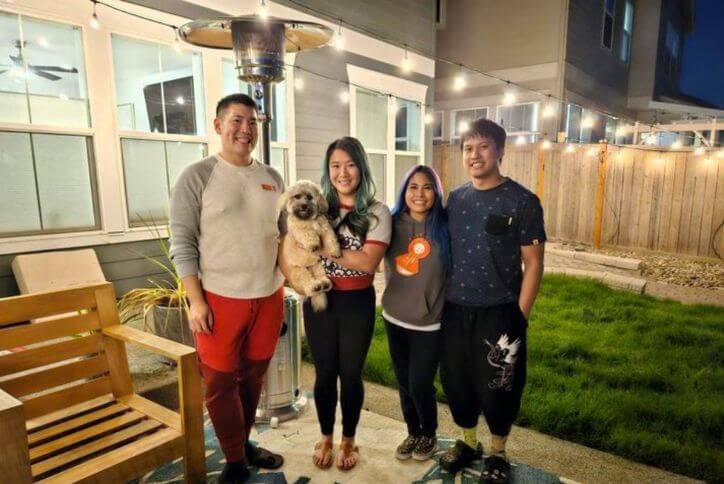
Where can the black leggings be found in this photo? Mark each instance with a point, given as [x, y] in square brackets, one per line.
[339, 338]
[415, 355]
[483, 364]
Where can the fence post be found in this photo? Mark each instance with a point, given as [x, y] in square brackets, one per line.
[600, 191]
[541, 173]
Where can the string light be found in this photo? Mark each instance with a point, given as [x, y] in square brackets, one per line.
[570, 149]
[509, 97]
[176, 42]
[591, 152]
[263, 10]
[344, 96]
[338, 40]
[622, 130]
[94, 22]
[549, 110]
[546, 145]
[676, 145]
[406, 62]
[699, 151]
[463, 126]
[429, 118]
[458, 84]
[520, 140]
[298, 83]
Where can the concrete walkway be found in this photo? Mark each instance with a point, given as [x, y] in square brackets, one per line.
[573, 462]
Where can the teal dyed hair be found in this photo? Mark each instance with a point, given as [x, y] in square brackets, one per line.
[358, 219]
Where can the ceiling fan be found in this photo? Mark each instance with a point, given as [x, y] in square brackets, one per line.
[40, 71]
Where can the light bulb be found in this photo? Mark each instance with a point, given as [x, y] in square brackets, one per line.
[676, 145]
[459, 82]
[344, 96]
[180, 100]
[591, 152]
[622, 130]
[570, 149]
[587, 122]
[549, 111]
[546, 145]
[520, 140]
[298, 83]
[508, 98]
[406, 64]
[428, 118]
[94, 23]
[338, 40]
[699, 151]
[463, 126]
[263, 10]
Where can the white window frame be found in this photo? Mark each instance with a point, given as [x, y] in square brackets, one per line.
[149, 136]
[611, 14]
[453, 120]
[399, 88]
[86, 132]
[535, 117]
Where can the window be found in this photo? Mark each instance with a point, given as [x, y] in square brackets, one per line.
[671, 50]
[627, 32]
[279, 125]
[573, 122]
[42, 74]
[462, 118]
[160, 113]
[437, 127]
[151, 168]
[46, 157]
[158, 90]
[391, 131]
[609, 8]
[519, 119]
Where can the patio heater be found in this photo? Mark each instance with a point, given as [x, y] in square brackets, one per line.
[259, 46]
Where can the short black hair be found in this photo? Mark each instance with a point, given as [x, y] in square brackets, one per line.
[484, 128]
[238, 98]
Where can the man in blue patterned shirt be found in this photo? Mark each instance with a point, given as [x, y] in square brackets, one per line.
[495, 224]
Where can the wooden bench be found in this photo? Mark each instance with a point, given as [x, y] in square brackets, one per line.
[67, 408]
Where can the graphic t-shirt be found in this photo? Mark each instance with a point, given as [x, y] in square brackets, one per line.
[379, 232]
[487, 229]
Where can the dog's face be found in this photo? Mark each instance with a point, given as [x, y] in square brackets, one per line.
[304, 200]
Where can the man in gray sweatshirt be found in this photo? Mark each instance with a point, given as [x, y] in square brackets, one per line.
[224, 243]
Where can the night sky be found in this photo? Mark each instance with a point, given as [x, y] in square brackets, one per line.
[702, 71]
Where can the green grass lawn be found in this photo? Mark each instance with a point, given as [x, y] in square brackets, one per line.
[631, 375]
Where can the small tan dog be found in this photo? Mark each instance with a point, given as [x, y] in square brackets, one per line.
[309, 228]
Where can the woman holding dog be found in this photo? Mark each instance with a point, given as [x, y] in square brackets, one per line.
[339, 336]
[416, 265]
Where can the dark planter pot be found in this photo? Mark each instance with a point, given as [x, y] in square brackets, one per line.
[173, 324]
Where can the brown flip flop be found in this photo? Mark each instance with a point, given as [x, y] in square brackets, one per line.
[346, 450]
[326, 454]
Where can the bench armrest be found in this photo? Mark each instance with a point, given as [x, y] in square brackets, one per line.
[165, 347]
[15, 460]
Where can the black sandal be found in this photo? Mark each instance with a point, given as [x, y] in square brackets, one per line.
[497, 469]
[262, 458]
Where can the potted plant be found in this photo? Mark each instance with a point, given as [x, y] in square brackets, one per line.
[164, 303]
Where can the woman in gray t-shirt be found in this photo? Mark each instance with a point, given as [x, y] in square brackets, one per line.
[416, 265]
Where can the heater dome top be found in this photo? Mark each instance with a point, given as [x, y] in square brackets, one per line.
[216, 33]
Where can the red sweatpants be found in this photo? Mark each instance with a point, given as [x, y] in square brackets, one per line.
[234, 359]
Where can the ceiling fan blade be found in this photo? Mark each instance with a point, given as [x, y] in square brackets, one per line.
[45, 75]
[55, 68]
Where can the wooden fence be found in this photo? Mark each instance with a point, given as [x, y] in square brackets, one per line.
[670, 201]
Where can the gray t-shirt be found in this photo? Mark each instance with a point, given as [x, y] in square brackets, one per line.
[487, 229]
[224, 227]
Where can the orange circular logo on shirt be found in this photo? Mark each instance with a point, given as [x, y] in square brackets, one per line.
[409, 264]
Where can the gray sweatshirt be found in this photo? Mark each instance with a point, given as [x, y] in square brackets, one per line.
[224, 227]
[415, 291]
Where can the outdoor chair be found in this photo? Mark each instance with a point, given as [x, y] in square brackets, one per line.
[67, 408]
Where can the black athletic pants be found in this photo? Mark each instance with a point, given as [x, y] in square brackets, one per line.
[339, 338]
[415, 356]
[483, 363]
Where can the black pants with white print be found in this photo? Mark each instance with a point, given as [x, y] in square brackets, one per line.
[483, 364]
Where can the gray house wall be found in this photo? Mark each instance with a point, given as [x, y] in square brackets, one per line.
[125, 265]
[594, 75]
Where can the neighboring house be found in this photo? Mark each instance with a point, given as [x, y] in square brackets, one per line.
[88, 160]
[612, 61]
